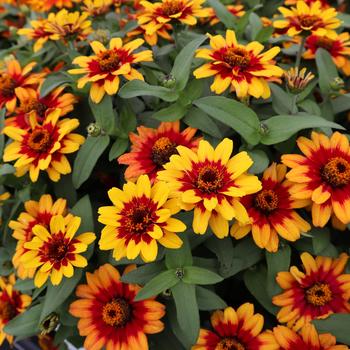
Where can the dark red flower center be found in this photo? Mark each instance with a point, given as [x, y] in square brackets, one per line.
[7, 86]
[210, 179]
[236, 56]
[162, 150]
[266, 201]
[7, 310]
[138, 219]
[34, 105]
[319, 294]
[308, 21]
[56, 248]
[336, 172]
[172, 7]
[108, 60]
[229, 344]
[116, 313]
[324, 42]
[39, 140]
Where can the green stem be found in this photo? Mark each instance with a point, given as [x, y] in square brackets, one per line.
[300, 52]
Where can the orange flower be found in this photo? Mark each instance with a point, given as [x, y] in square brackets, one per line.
[47, 5]
[109, 317]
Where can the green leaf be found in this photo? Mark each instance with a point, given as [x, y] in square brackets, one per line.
[56, 295]
[337, 325]
[158, 284]
[321, 239]
[198, 275]
[276, 262]
[53, 81]
[135, 88]
[25, 324]
[234, 114]
[282, 127]
[341, 103]
[208, 300]
[260, 159]
[170, 114]
[181, 257]
[327, 70]
[2, 136]
[225, 16]
[282, 102]
[187, 310]
[127, 119]
[264, 34]
[345, 18]
[182, 65]
[119, 146]
[255, 25]
[144, 273]
[310, 106]
[83, 209]
[24, 285]
[104, 114]
[6, 169]
[87, 157]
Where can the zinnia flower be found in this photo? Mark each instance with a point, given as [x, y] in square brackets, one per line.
[320, 290]
[43, 146]
[322, 174]
[239, 329]
[306, 339]
[12, 303]
[104, 69]
[339, 49]
[13, 76]
[55, 250]
[36, 213]
[243, 69]
[324, 3]
[272, 212]
[211, 183]
[47, 5]
[306, 19]
[152, 148]
[139, 219]
[109, 317]
[96, 7]
[31, 102]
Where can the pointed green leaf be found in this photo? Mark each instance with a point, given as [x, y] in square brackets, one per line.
[198, 275]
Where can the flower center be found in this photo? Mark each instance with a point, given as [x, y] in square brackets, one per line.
[336, 172]
[139, 219]
[210, 179]
[108, 60]
[319, 294]
[266, 200]
[235, 56]
[7, 310]
[308, 21]
[229, 344]
[116, 313]
[172, 7]
[34, 105]
[39, 140]
[7, 86]
[324, 42]
[162, 150]
[56, 249]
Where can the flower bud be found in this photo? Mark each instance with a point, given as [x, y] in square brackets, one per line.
[94, 130]
[49, 323]
[297, 80]
[337, 84]
[168, 81]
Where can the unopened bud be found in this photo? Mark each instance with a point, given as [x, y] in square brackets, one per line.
[337, 84]
[297, 80]
[94, 130]
[180, 273]
[101, 35]
[49, 323]
[264, 129]
[168, 81]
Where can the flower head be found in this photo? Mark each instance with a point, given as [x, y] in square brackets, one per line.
[272, 212]
[12, 303]
[297, 80]
[211, 183]
[306, 19]
[105, 68]
[239, 329]
[139, 219]
[339, 49]
[36, 213]
[13, 76]
[30, 102]
[43, 146]
[243, 69]
[306, 339]
[152, 148]
[322, 175]
[324, 3]
[109, 317]
[47, 5]
[54, 251]
[321, 289]
[96, 7]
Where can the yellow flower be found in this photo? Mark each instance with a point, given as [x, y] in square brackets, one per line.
[243, 69]
[211, 183]
[139, 219]
[104, 68]
[55, 250]
[306, 19]
[43, 146]
[96, 7]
